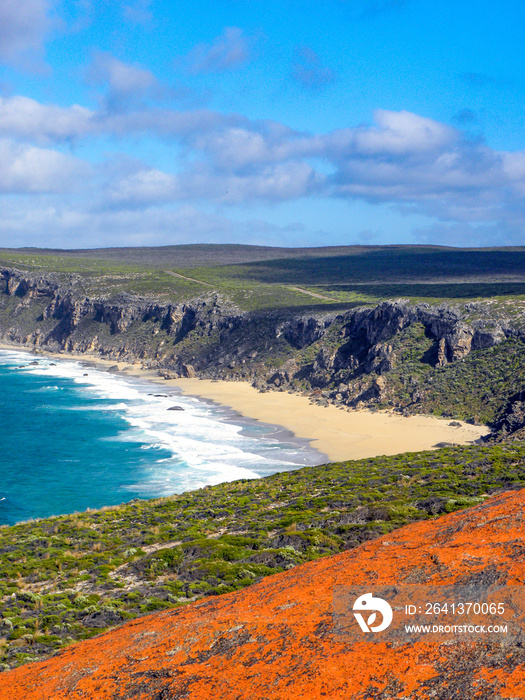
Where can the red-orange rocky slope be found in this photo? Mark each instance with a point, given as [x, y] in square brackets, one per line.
[275, 639]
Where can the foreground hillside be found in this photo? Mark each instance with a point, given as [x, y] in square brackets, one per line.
[69, 578]
[276, 639]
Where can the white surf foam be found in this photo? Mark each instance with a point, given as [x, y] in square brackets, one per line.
[204, 445]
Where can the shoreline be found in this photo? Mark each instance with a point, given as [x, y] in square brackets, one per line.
[337, 433]
[341, 435]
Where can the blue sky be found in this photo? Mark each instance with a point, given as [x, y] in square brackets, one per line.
[320, 122]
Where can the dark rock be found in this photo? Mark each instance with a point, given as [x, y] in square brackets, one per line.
[433, 506]
[188, 371]
[175, 408]
[512, 418]
[485, 338]
[101, 618]
[325, 359]
[381, 359]
[277, 379]
[301, 332]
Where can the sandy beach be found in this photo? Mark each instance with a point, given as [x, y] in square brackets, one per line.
[340, 434]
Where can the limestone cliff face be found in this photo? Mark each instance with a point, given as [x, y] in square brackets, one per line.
[347, 356]
[66, 310]
[44, 312]
[446, 325]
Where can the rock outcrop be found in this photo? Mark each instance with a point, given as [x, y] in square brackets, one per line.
[277, 640]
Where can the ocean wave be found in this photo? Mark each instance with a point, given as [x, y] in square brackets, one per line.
[206, 443]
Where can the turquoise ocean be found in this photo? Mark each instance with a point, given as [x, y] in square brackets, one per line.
[69, 442]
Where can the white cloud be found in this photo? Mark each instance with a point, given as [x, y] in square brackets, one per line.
[403, 133]
[24, 25]
[228, 51]
[30, 169]
[23, 117]
[406, 160]
[52, 224]
[273, 183]
[429, 167]
[237, 147]
[142, 188]
[127, 84]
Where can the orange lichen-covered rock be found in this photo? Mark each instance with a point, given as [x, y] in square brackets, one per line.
[276, 640]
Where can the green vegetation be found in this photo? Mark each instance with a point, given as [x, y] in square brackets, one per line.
[380, 264]
[245, 321]
[478, 388]
[430, 293]
[268, 285]
[68, 578]
[255, 277]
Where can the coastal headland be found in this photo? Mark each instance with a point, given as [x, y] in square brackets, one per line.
[410, 330]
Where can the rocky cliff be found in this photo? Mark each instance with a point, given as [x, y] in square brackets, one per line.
[386, 356]
[279, 639]
[52, 313]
